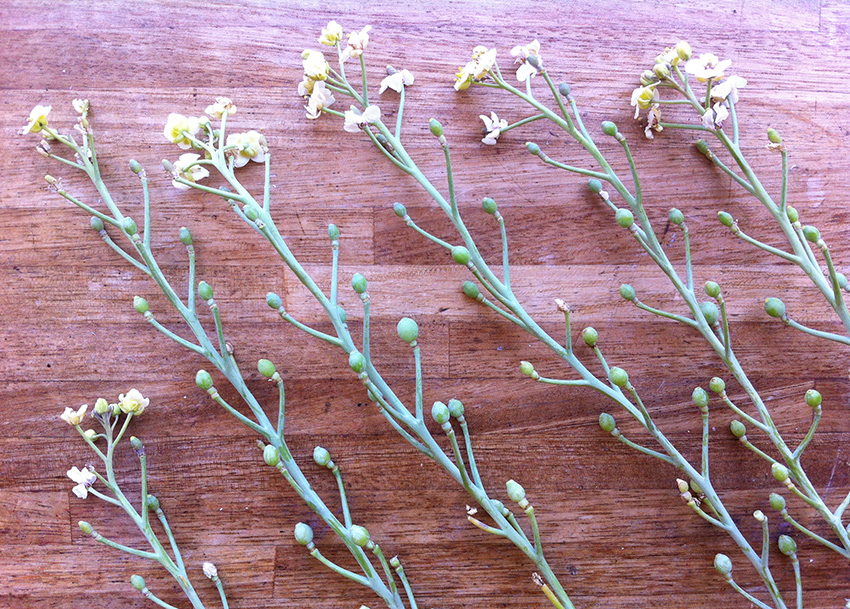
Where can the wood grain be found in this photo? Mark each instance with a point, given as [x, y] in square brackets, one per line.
[615, 527]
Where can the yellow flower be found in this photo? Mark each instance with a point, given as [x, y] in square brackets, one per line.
[220, 106]
[134, 402]
[248, 146]
[74, 417]
[178, 128]
[37, 120]
[186, 167]
[483, 60]
[315, 65]
[331, 34]
[643, 97]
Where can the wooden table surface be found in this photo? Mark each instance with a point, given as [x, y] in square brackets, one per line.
[615, 528]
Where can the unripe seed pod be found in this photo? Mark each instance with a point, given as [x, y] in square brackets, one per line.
[627, 292]
[96, 224]
[358, 282]
[455, 408]
[205, 290]
[533, 61]
[135, 166]
[515, 491]
[271, 455]
[700, 398]
[138, 582]
[594, 185]
[85, 527]
[624, 217]
[460, 254]
[343, 316]
[773, 136]
[129, 226]
[618, 377]
[607, 422]
[489, 205]
[321, 456]
[723, 564]
[792, 214]
[185, 236]
[408, 330]
[712, 289]
[813, 398]
[470, 289]
[273, 300]
[533, 148]
[726, 219]
[135, 443]
[399, 210]
[440, 412]
[564, 89]
[303, 533]
[203, 380]
[717, 385]
[266, 368]
[676, 216]
[333, 232]
[702, 147]
[842, 280]
[590, 336]
[777, 501]
[140, 304]
[357, 362]
[435, 127]
[152, 503]
[738, 429]
[787, 545]
[779, 471]
[359, 535]
[609, 128]
[774, 307]
[811, 233]
[710, 312]
[527, 368]
[252, 212]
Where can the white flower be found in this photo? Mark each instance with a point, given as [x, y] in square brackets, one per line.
[185, 167]
[81, 106]
[357, 42]
[354, 120]
[84, 479]
[728, 89]
[248, 146]
[526, 70]
[331, 34]
[653, 121]
[37, 120]
[483, 60]
[220, 106]
[493, 126]
[396, 81]
[321, 97]
[178, 128]
[74, 417]
[209, 569]
[134, 402]
[713, 117]
[707, 67]
[644, 97]
[315, 65]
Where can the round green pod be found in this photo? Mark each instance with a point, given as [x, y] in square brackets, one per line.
[408, 329]
[607, 422]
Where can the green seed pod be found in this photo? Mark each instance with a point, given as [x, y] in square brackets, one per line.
[710, 312]
[607, 422]
[266, 368]
[343, 316]
[321, 456]
[455, 408]
[777, 501]
[357, 362]
[624, 218]
[138, 582]
[85, 527]
[273, 300]
[152, 503]
[185, 236]
[813, 398]
[408, 330]
[676, 216]
[96, 224]
[358, 282]
[842, 280]
[440, 413]
[717, 385]
[460, 254]
[136, 443]
[470, 289]
[712, 289]
[140, 304]
[205, 290]
[702, 147]
[168, 166]
[252, 212]
[489, 205]
[527, 368]
[609, 128]
[792, 214]
[618, 376]
[683, 50]
[594, 185]
[333, 232]
[135, 166]
[738, 429]
[627, 292]
[203, 379]
[773, 136]
[129, 226]
[723, 564]
[780, 472]
[564, 89]
[811, 233]
[271, 456]
[533, 148]
[787, 545]
[726, 219]
[774, 307]
[590, 336]
[359, 535]
[515, 491]
[700, 398]
[399, 210]
[435, 127]
[303, 533]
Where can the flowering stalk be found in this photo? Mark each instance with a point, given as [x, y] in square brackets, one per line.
[232, 152]
[109, 416]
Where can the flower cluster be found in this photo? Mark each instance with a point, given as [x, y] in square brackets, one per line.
[477, 69]
[316, 71]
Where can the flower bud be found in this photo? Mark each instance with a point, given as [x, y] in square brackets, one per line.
[676, 216]
[85, 527]
[205, 290]
[607, 422]
[813, 398]
[271, 455]
[787, 545]
[358, 282]
[185, 236]
[357, 362]
[359, 535]
[129, 226]
[627, 291]
[792, 214]
[455, 408]
[435, 127]
[273, 300]
[609, 128]
[440, 413]
[624, 218]
[135, 166]
[590, 336]
[489, 205]
[594, 185]
[717, 385]
[564, 89]
[266, 368]
[515, 491]
[209, 570]
[618, 376]
[333, 232]
[470, 289]
[683, 50]
[533, 60]
[710, 312]
[779, 471]
[303, 533]
[773, 136]
[203, 380]
[700, 398]
[101, 406]
[759, 516]
[811, 233]
[774, 307]
[702, 147]
[136, 444]
[726, 219]
[527, 368]
[648, 77]
[460, 254]
[152, 503]
[408, 330]
[321, 456]
[777, 501]
[738, 429]
[723, 564]
[138, 582]
[90, 434]
[533, 148]
[399, 210]
[96, 223]
[140, 304]
[661, 70]
[682, 485]
[712, 289]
